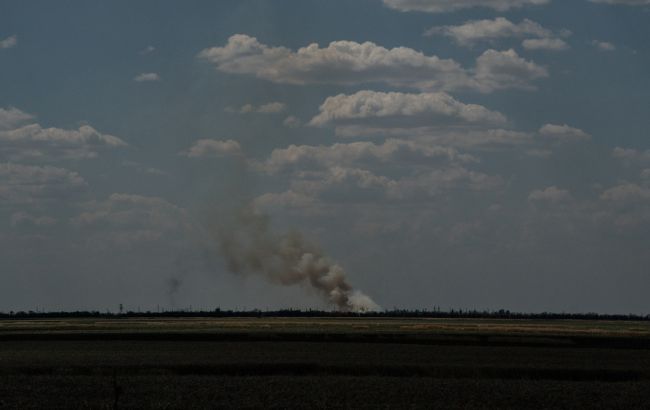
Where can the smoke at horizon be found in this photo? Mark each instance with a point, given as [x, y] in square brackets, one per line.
[250, 246]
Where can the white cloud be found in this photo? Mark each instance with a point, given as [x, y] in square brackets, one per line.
[213, 148]
[292, 122]
[128, 210]
[123, 220]
[552, 44]
[632, 156]
[142, 168]
[482, 138]
[268, 108]
[342, 62]
[434, 182]
[497, 70]
[8, 42]
[147, 50]
[147, 77]
[23, 184]
[539, 153]
[563, 133]
[340, 185]
[301, 157]
[353, 172]
[624, 2]
[348, 63]
[22, 219]
[474, 31]
[442, 6]
[12, 117]
[245, 109]
[395, 109]
[603, 45]
[551, 194]
[34, 142]
[287, 199]
[272, 108]
[627, 193]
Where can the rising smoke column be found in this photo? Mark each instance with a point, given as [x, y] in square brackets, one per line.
[249, 246]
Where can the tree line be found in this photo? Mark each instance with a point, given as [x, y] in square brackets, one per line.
[394, 313]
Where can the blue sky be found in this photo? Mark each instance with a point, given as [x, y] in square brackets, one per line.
[488, 156]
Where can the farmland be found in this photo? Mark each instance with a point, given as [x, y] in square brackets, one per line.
[323, 363]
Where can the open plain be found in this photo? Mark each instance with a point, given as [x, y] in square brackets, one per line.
[323, 363]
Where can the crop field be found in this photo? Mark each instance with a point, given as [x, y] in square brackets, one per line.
[323, 363]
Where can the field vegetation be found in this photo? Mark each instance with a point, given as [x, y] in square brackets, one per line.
[323, 363]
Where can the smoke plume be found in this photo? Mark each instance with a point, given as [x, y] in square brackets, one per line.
[249, 246]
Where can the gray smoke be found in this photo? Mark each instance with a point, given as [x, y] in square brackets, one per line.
[173, 286]
[249, 246]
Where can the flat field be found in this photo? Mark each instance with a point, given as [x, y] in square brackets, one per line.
[323, 363]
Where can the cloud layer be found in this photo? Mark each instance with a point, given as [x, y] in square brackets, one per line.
[402, 110]
[37, 143]
[8, 42]
[35, 185]
[350, 63]
[472, 32]
[147, 77]
[443, 6]
[213, 148]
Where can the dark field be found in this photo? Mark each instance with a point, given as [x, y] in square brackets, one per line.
[323, 363]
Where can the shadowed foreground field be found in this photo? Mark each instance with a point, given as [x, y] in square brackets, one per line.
[323, 363]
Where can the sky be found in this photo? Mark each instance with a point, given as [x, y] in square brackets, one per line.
[244, 154]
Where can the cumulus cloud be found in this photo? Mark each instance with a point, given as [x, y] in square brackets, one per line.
[126, 219]
[626, 207]
[24, 219]
[474, 139]
[552, 194]
[394, 170]
[393, 109]
[627, 192]
[35, 142]
[563, 133]
[433, 182]
[443, 6]
[128, 210]
[272, 108]
[340, 184]
[12, 117]
[539, 152]
[34, 185]
[350, 63]
[213, 148]
[301, 157]
[472, 32]
[497, 70]
[268, 108]
[342, 62]
[287, 199]
[603, 45]
[632, 156]
[147, 77]
[147, 50]
[292, 122]
[624, 2]
[8, 42]
[551, 44]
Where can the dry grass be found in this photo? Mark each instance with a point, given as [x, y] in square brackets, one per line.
[329, 325]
